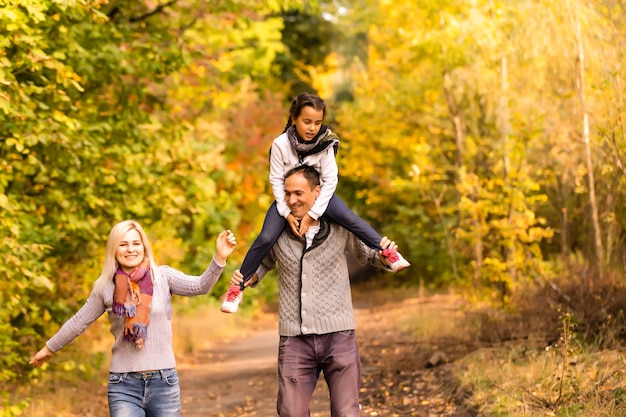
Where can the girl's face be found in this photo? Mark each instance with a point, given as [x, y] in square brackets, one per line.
[308, 123]
[130, 251]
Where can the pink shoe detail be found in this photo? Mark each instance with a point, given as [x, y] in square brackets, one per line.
[232, 298]
[396, 262]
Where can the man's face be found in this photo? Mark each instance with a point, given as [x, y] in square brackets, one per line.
[299, 195]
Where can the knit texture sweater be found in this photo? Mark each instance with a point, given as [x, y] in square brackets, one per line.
[283, 158]
[314, 284]
[157, 352]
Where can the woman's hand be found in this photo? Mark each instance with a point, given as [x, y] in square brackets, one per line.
[224, 246]
[41, 357]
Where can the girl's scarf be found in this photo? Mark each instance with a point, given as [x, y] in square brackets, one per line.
[132, 299]
[324, 138]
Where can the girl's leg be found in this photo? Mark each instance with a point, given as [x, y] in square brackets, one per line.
[273, 226]
[338, 212]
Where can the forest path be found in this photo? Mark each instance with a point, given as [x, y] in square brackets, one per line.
[237, 377]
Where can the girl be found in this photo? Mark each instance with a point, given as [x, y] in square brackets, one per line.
[305, 140]
[137, 296]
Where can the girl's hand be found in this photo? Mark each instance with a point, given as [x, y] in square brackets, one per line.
[294, 224]
[225, 245]
[304, 224]
[41, 357]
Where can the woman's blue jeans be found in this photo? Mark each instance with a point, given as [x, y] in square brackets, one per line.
[144, 394]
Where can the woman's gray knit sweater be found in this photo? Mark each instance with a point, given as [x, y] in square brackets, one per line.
[157, 352]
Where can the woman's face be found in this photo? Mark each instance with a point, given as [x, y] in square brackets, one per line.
[130, 251]
[308, 123]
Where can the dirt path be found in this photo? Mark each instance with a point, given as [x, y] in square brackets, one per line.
[230, 376]
[238, 377]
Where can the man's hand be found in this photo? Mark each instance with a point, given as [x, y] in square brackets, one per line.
[386, 243]
[237, 279]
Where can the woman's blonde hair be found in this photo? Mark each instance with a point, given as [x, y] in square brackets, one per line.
[115, 236]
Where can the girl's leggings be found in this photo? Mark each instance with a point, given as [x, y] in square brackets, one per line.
[274, 225]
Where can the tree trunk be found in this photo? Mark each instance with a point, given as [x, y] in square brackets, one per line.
[505, 128]
[580, 87]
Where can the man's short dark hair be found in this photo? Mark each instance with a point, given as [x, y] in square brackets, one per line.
[310, 174]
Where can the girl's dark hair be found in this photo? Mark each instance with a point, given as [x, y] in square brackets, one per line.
[301, 101]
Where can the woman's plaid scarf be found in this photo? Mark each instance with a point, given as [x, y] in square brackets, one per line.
[132, 299]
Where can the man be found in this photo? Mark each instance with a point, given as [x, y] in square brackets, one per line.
[316, 319]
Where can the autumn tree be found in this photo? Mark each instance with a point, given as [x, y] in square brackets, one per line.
[115, 110]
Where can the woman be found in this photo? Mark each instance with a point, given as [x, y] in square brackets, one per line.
[137, 295]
